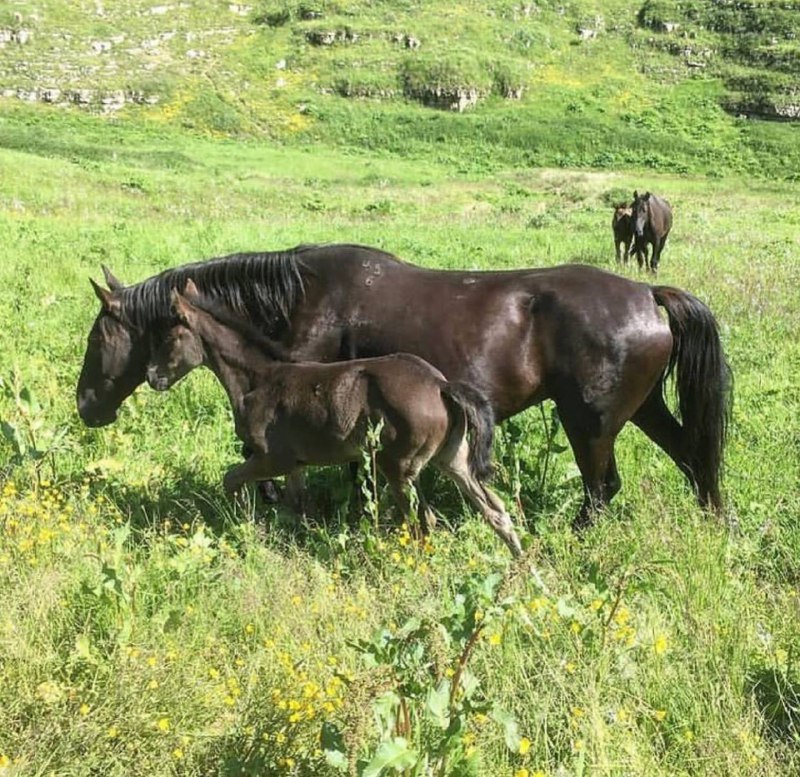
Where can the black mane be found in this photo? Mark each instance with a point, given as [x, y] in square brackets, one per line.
[260, 287]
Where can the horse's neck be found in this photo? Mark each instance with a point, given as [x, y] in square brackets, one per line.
[237, 363]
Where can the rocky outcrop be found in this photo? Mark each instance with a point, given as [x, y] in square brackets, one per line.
[448, 98]
[17, 36]
[330, 37]
[107, 101]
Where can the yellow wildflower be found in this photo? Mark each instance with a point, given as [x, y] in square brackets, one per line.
[660, 644]
[495, 639]
[84, 709]
[524, 746]
[163, 724]
[659, 715]
[177, 753]
[113, 732]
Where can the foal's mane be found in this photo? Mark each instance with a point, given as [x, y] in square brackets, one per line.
[241, 326]
[261, 287]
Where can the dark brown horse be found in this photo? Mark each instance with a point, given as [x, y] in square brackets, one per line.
[592, 341]
[622, 227]
[652, 221]
[292, 415]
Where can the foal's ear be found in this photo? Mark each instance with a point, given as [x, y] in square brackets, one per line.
[635, 194]
[180, 306]
[190, 290]
[111, 280]
[108, 299]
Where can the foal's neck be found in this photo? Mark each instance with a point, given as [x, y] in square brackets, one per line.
[238, 363]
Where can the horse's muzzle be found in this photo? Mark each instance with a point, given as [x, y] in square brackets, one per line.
[92, 416]
[157, 382]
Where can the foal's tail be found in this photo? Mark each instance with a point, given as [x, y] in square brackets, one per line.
[480, 425]
[704, 384]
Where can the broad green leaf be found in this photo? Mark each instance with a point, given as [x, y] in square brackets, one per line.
[394, 754]
[438, 703]
[510, 727]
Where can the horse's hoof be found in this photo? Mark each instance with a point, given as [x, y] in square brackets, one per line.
[581, 524]
[268, 491]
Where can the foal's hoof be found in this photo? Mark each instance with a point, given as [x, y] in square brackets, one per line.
[268, 491]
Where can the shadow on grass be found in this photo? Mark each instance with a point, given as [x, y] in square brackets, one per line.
[776, 691]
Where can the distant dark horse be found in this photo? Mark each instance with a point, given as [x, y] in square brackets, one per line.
[592, 341]
[622, 227]
[652, 221]
[290, 415]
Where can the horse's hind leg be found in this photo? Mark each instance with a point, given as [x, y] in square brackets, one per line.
[656, 421]
[482, 498]
[612, 480]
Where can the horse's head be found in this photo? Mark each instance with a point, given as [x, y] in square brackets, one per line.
[116, 355]
[180, 349]
[621, 212]
[640, 208]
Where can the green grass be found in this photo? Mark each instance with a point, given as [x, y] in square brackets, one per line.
[149, 627]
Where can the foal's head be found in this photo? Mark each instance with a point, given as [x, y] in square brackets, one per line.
[181, 349]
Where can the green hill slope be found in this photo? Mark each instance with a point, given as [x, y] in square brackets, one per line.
[668, 85]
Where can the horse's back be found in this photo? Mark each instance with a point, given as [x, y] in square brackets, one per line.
[660, 216]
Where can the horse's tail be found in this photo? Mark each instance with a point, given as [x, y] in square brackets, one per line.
[704, 385]
[480, 425]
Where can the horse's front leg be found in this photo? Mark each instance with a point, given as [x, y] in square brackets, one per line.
[296, 491]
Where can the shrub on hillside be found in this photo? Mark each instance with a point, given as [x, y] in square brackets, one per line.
[209, 111]
[509, 77]
[366, 83]
[455, 81]
[659, 14]
[274, 13]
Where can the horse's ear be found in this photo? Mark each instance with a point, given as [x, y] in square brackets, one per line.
[108, 300]
[635, 194]
[111, 280]
[647, 195]
[190, 290]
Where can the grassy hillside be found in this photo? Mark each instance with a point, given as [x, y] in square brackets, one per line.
[664, 86]
[150, 627]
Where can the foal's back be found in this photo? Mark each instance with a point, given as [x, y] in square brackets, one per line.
[339, 398]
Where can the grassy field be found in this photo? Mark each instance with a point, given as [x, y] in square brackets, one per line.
[150, 627]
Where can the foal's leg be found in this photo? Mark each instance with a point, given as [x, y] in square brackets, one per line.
[483, 499]
[401, 474]
[259, 466]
